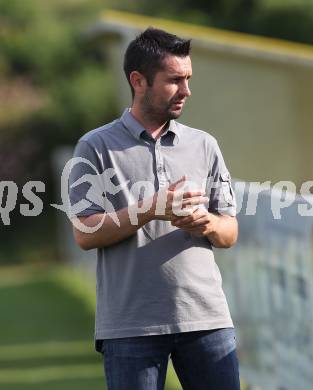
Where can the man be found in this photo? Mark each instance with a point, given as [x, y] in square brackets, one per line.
[159, 292]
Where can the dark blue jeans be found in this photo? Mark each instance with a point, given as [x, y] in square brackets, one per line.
[203, 360]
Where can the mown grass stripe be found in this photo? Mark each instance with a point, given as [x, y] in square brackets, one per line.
[52, 373]
[47, 349]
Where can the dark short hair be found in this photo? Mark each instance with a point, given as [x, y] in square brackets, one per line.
[147, 51]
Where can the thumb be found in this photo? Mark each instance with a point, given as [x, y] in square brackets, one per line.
[176, 183]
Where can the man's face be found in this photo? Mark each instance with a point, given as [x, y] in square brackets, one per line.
[166, 97]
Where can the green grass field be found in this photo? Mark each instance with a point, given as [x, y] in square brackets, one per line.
[46, 332]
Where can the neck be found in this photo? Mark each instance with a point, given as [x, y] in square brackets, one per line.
[153, 126]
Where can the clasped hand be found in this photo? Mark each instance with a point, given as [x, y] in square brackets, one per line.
[184, 209]
[200, 223]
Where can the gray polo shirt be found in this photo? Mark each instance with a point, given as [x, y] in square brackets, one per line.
[162, 279]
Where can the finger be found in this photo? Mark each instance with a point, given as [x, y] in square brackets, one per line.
[199, 213]
[182, 212]
[201, 222]
[183, 220]
[190, 203]
[193, 223]
[194, 213]
[198, 229]
[176, 183]
[179, 195]
[191, 194]
[195, 201]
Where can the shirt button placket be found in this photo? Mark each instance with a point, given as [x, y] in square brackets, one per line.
[159, 165]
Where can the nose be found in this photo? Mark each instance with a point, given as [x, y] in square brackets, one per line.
[185, 89]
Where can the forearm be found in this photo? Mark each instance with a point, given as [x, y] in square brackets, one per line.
[104, 231]
[225, 233]
[109, 232]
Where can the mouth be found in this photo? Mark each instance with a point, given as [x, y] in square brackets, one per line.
[179, 103]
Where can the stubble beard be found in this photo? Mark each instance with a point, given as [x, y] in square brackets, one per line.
[156, 113]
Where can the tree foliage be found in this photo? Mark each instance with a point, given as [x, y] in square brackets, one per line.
[46, 60]
[286, 19]
[54, 87]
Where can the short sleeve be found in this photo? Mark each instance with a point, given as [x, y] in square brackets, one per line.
[86, 190]
[219, 188]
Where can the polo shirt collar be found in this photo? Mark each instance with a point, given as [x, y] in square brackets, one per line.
[132, 124]
[137, 129]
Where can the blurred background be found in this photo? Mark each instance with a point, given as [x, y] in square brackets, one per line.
[61, 76]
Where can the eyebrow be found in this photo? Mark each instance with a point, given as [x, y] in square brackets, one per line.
[177, 76]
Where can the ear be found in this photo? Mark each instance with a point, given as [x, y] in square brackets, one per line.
[138, 82]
